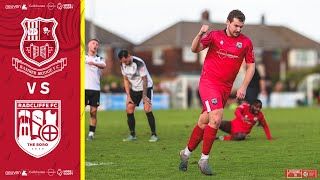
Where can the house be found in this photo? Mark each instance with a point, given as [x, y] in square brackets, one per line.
[277, 48]
[109, 46]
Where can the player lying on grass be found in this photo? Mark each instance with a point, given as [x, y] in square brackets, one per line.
[247, 115]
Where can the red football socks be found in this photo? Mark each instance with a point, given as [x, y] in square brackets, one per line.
[209, 136]
[227, 138]
[196, 137]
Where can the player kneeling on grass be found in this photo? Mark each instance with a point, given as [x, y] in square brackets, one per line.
[247, 115]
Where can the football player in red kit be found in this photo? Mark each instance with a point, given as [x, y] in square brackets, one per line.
[226, 51]
[247, 115]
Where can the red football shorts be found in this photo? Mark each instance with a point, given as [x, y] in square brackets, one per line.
[212, 96]
[237, 127]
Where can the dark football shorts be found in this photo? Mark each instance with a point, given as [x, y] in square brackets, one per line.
[136, 96]
[92, 98]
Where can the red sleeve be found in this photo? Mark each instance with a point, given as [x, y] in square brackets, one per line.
[265, 127]
[207, 39]
[249, 57]
[239, 111]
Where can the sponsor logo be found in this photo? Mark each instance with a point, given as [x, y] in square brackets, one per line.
[12, 173]
[222, 53]
[37, 6]
[24, 173]
[301, 173]
[51, 5]
[61, 6]
[68, 172]
[51, 172]
[37, 172]
[11, 6]
[294, 173]
[24, 7]
[309, 173]
[59, 172]
[39, 46]
[37, 126]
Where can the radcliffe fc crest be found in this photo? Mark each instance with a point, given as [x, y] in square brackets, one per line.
[39, 46]
[37, 126]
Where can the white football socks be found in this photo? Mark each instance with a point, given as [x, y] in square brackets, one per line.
[91, 133]
[187, 152]
[203, 156]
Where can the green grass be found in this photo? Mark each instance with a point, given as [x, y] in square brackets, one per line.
[296, 145]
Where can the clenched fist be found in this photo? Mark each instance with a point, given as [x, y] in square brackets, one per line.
[203, 29]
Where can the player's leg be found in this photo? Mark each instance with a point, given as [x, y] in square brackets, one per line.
[251, 94]
[239, 136]
[209, 135]
[196, 135]
[195, 138]
[151, 119]
[214, 100]
[225, 126]
[94, 102]
[130, 107]
[86, 99]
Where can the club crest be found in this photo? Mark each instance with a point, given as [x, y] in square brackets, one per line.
[39, 46]
[214, 101]
[239, 45]
[37, 126]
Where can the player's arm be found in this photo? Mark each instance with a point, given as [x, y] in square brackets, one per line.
[239, 113]
[145, 90]
[143, 74]
[126, 83]
[196, 43]
[100, 64]
[241, 92]
[265, 127]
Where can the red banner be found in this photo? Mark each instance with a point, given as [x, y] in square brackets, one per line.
[40, 89]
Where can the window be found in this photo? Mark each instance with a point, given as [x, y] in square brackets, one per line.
[157, 56]
[277, 54]
[188, 55]
[302, 58]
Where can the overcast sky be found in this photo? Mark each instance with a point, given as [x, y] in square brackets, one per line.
[137, 20]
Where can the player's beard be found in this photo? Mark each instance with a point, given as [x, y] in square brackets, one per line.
[233, 33]
[236, 34]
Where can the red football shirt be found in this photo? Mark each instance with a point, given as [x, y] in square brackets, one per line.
[240, 125]
[225, 56]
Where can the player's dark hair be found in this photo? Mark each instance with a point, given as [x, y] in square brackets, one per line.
[123, 54]
[236, 14]
[256, 101]
[94, 39]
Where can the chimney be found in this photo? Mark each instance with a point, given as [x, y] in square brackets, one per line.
[262, 19]
[205, 17]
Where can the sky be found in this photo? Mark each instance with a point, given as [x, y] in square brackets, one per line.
[138, 20]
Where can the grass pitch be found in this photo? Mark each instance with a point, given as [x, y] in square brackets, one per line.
[296, 145]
